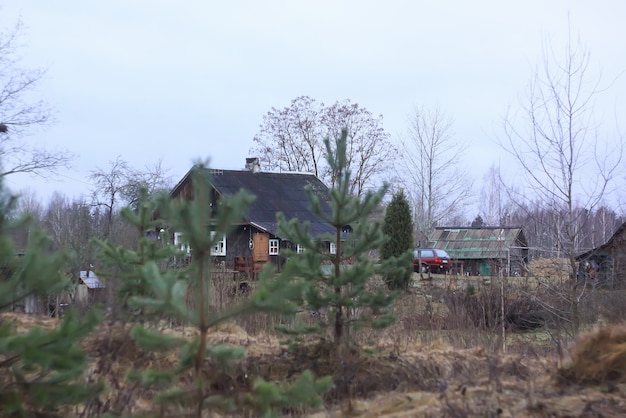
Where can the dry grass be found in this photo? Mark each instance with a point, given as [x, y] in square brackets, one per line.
[434, 361]
[597, 357]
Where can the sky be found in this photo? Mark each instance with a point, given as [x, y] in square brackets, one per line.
[182, 81]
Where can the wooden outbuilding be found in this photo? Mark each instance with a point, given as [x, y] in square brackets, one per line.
[605, 266]
[484, 251]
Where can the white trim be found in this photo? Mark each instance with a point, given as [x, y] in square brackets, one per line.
[333, 248]
[274, 247]
[219, 247]
[180, 243]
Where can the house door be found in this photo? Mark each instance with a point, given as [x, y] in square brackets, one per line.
[261, 251]
[484, 268]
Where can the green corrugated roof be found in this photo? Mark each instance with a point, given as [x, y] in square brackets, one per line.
[477, 243]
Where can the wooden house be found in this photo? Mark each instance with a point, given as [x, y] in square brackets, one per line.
[256, 240]
[483, 251]
[606, 265]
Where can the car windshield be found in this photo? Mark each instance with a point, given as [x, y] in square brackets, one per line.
[442, 253]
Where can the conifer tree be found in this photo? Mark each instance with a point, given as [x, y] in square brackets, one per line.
[126, 264]
[398, 227]
[344, 290]
[40, 369]
[167, 291]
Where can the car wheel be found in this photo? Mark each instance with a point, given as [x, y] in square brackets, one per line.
[425, 268]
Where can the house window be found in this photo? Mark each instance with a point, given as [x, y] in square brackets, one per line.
[219, 248]
[299, 249]
[333, 248]
[274, 246]
[179, 242]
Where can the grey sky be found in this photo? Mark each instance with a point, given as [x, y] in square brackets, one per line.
[187, 80]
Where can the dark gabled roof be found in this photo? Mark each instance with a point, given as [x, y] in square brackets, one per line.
[477, 243]
[601, 248]
[275, 192]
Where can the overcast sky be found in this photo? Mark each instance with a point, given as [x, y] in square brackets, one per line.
[186, 80]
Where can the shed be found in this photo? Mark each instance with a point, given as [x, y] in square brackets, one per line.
[483, 250]
[90, 288]
[609, 261]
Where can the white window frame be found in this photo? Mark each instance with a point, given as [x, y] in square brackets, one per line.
[180, 243]
[219, 248]
[333, 248]
[274, 247]
[299, 249]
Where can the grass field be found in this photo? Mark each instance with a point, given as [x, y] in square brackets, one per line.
[448, 354]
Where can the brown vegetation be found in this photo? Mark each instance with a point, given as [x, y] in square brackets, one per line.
[436, 360]
[597, 357]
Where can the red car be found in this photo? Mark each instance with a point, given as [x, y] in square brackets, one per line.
[431, 259]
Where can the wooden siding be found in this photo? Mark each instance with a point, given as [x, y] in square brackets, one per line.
[611, 261]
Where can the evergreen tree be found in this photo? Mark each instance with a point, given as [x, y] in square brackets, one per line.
[478, 222]
[343, 290]
[153, 246]
[398, 227]
[187, 389]
[40, 369]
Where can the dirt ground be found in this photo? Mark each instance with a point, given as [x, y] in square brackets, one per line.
[419, 381]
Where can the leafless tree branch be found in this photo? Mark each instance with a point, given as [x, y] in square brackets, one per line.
[19, 115]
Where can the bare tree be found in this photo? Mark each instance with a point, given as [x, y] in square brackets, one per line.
[554, 142]
[19, 115]
[432, 171]
[152, 180]
[291, 139]
[29, 204]
[121, 185]
[494, 204]
[369, 152]
[110, 186]
[72, 225]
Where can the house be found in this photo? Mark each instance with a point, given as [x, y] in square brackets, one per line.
[483, 250]
[606, 265]
[256, 240]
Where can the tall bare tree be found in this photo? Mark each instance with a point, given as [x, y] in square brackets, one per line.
[555, 142]
[494, 204]
[20, 114]
[292, 139]
[110, 184]
[370, 154]
[432, 171]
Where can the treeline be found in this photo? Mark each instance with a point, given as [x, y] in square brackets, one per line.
[74, 224]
